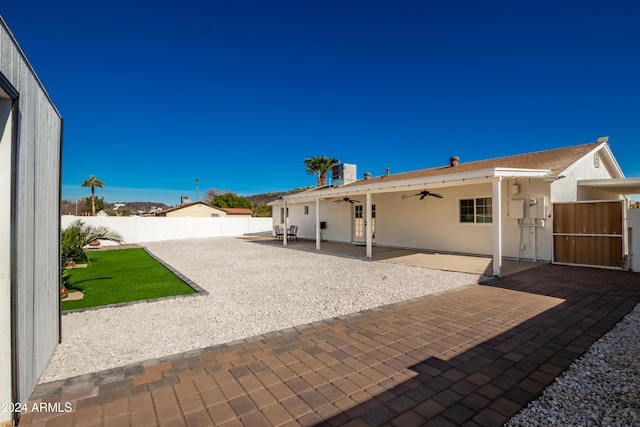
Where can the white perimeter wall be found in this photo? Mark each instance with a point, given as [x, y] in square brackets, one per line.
[137, 229]
[633, 217]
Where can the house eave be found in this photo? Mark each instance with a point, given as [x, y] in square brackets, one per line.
[438, 181]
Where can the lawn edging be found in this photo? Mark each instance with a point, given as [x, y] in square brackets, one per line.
[199, 291]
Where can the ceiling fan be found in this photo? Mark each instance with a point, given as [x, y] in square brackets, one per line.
[423, 194]
[346, 199]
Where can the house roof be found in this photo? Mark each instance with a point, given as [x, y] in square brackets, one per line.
[555, 161]
[549, 164]
[186, 205]
[237, 211]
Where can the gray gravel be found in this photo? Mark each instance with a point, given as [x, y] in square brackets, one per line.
[602, 388]
[253, 289]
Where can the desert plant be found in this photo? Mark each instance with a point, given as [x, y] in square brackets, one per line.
[78, 235]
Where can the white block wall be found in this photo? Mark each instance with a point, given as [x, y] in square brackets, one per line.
[137, 229]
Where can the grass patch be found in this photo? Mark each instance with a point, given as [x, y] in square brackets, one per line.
[122, 275]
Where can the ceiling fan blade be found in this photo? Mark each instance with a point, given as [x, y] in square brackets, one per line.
[439, 196]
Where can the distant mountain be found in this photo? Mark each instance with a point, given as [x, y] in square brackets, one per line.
[135, 207]
[69, 207]
[270, 197]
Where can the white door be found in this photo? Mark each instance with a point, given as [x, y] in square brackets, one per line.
[359, 223]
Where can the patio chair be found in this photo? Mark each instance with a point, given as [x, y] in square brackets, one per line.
[292, 232]
[279, 232]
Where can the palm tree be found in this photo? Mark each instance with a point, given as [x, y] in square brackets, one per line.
[93, 182]
[320, 166]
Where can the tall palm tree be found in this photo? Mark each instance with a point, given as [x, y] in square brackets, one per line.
[319, 166]
[93, 182]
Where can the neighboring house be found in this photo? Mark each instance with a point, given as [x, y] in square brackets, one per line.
[526, 206]
[30, 167]
[238, 212]
[194, 209]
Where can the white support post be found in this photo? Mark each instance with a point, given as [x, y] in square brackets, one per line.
[368, 227]
[497, 227]
[318, 235]
[286, 229]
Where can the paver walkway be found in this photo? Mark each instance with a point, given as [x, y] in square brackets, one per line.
[471, 356]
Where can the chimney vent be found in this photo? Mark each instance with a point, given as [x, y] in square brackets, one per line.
[453, 160]
[367, 176]
[387, 172]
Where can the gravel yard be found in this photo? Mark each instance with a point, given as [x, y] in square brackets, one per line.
[253, 289]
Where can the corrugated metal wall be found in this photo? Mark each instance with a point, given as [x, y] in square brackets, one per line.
[36, 251]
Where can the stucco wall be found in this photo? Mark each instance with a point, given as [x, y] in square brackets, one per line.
[567, 190]
[433, 223]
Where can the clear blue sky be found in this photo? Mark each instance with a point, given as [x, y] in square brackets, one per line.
[238, 93]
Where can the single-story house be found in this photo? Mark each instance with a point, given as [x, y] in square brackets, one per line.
[565, 205]
[203, 210]
[30, 169]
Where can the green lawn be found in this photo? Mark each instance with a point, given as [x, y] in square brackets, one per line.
[122, 275]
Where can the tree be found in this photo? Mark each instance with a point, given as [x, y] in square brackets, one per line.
[93, 182]
[319, 166]
[262, 210]
[230, 200]
[89, 204]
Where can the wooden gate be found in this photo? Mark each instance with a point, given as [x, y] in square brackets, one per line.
[589, 233]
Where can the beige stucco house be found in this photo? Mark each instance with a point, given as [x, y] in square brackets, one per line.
[565, 205]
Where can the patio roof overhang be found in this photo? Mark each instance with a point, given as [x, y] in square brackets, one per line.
[624, 186]
[437, 181]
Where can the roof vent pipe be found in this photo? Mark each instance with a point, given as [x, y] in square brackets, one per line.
[453, 160]
[367, 176]
[387, 172]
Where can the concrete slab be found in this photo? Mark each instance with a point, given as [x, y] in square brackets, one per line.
[420, 258]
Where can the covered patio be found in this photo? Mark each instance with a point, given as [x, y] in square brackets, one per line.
[464, 263]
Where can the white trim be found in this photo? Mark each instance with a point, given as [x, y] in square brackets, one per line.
[465, 178]
[617, 186]
[474, 223]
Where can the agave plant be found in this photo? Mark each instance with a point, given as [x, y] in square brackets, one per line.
[78, 235]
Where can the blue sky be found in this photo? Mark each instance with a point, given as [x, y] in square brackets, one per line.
[238, 93]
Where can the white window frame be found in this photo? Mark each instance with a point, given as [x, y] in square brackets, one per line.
[475, 210]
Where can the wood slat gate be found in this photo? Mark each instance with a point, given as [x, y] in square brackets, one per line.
[589, 233]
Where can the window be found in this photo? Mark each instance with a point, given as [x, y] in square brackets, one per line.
[478, 210]
[306, 210]
[282, 215]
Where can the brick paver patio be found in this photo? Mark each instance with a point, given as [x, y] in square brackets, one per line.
[472, 356]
